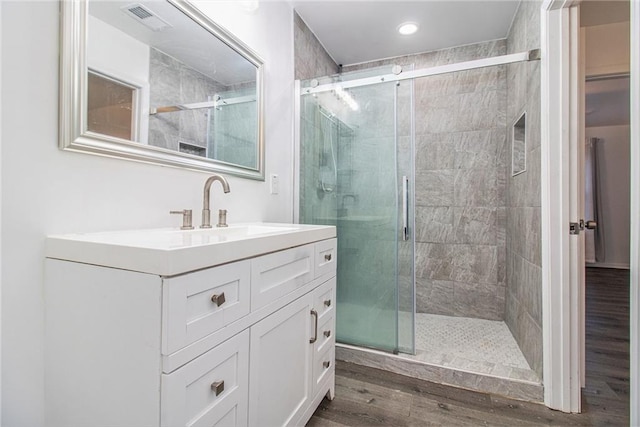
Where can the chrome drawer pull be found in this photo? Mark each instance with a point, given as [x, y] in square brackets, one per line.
[218, 299]
[315, 327]
[326, 364]
[327, 333]
[218, 387]
[327, 302]
[327, 257]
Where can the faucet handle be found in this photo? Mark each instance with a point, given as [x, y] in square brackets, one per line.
[187, 218]
[222, 218]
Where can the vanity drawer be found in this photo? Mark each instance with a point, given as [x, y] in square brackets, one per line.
[326, 257]
[323, 366]
[326, 334]
[211, 390]
[277, 274]
[196, 304]
[324, 298]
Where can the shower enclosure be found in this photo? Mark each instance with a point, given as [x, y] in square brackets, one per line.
[411, 166]
[354, 175]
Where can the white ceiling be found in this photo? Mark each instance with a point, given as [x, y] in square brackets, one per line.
[355, 31]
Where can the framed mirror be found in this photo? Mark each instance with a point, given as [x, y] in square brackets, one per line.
[159, 82]
[519, 145]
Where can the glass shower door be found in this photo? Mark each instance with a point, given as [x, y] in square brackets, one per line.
[351, 176]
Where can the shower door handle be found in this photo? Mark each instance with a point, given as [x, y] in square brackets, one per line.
[405, 208]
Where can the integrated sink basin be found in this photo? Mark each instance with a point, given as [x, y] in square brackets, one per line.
[240, 231]
[169, 252]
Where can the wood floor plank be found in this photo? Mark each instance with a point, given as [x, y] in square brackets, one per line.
[373, 397]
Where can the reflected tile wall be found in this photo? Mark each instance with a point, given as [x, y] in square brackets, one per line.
[233, 133]
[172, 82]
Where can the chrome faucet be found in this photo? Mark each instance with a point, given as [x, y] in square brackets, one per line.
[206, 213]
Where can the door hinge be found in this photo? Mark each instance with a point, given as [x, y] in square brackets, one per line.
[576, 227]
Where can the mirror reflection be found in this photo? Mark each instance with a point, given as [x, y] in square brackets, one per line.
[159, 74]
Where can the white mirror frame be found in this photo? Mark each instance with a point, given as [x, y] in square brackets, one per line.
[73, 99]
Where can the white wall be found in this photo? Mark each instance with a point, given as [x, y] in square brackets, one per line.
[45, 190]
[607, 49]
[615, 179]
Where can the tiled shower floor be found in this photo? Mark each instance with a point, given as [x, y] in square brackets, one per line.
[460, 343]
[474, 345]
[476, 354]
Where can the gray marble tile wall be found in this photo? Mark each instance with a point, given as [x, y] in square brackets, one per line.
[172, 82]
[310, 57]
[523, 312]
[460, 126]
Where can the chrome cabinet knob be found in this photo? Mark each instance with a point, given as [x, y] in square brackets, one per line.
[327, 333]
[326, 364]
[218, 387]
[218, 299]
[327, 302]
[327, 257]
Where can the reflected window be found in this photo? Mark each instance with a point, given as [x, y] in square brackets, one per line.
[111, 107]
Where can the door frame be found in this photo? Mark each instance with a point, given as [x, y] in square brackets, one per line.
[562, 298]
[559, 99]
[635, 213]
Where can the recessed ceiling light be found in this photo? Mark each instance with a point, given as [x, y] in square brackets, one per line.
[407, 28]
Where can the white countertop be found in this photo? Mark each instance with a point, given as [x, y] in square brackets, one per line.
[168, 252]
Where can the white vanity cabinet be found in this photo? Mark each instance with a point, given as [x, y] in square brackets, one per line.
[245, 343]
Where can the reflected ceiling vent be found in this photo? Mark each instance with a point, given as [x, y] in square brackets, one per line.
[146, 17]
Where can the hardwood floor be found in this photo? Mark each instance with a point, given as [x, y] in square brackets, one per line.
[372, 397]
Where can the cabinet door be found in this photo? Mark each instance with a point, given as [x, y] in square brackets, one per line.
[280, 365]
